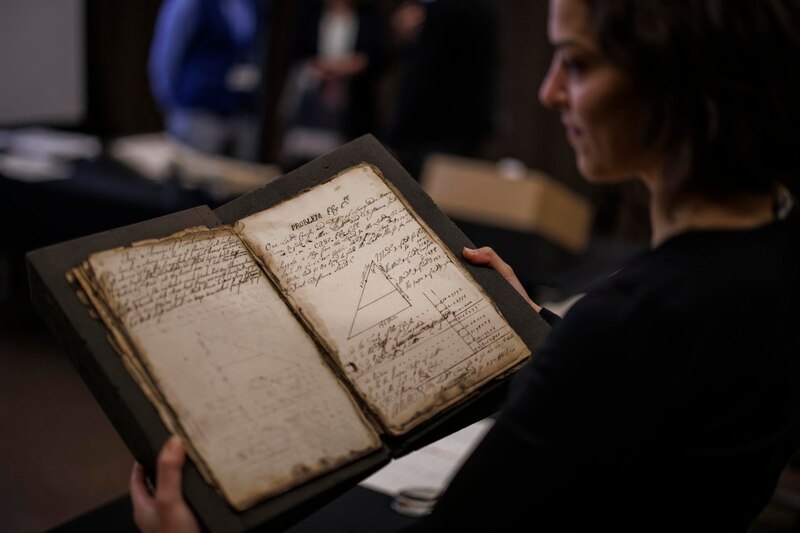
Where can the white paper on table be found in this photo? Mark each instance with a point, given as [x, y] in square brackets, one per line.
[33, 169]
[432, 466]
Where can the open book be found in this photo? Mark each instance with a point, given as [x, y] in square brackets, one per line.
[302, 337]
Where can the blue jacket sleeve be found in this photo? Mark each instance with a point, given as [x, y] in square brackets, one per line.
[176, 25]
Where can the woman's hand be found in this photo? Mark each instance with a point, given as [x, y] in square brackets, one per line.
[487, 256]
[165, 510]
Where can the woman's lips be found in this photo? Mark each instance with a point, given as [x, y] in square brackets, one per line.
[572, 131]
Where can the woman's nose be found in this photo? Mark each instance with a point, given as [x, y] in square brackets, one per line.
[552, 92]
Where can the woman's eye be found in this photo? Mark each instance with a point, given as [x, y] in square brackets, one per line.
[572, 66]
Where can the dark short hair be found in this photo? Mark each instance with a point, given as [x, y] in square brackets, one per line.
[722, 80]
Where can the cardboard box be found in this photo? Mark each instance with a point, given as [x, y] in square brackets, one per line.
[510, 198]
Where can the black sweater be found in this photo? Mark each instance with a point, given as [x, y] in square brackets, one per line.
[667, 399]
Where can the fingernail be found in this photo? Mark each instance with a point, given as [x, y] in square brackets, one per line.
[174, 443]
[469, 250]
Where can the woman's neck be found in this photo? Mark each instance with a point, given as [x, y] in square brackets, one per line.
[738, 212]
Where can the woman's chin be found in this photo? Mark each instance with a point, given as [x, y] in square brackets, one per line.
[599, 175]
[590, 172]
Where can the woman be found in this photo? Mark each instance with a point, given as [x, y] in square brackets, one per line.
[668, 397]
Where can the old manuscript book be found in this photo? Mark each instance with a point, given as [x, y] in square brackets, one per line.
[303, 337]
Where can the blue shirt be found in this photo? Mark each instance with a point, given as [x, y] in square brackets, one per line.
[195, 44]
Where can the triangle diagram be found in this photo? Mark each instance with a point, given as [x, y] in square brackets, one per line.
[380, 300]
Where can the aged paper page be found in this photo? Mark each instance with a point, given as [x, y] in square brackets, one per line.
[247, 384]
[409, 327]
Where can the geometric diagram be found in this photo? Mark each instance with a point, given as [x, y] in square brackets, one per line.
[380, 300]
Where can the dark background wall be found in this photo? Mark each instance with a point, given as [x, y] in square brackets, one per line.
[117, 43]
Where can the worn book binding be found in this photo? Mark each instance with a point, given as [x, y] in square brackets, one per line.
[300, 339]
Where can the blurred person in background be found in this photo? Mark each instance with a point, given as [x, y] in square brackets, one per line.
[445, 99]
[205, 73]
[331, 93]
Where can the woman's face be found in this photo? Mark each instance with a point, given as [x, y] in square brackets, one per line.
[599, 105]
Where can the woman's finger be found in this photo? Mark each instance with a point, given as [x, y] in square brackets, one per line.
[144, 512]
[170, 462]
[488, 257]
